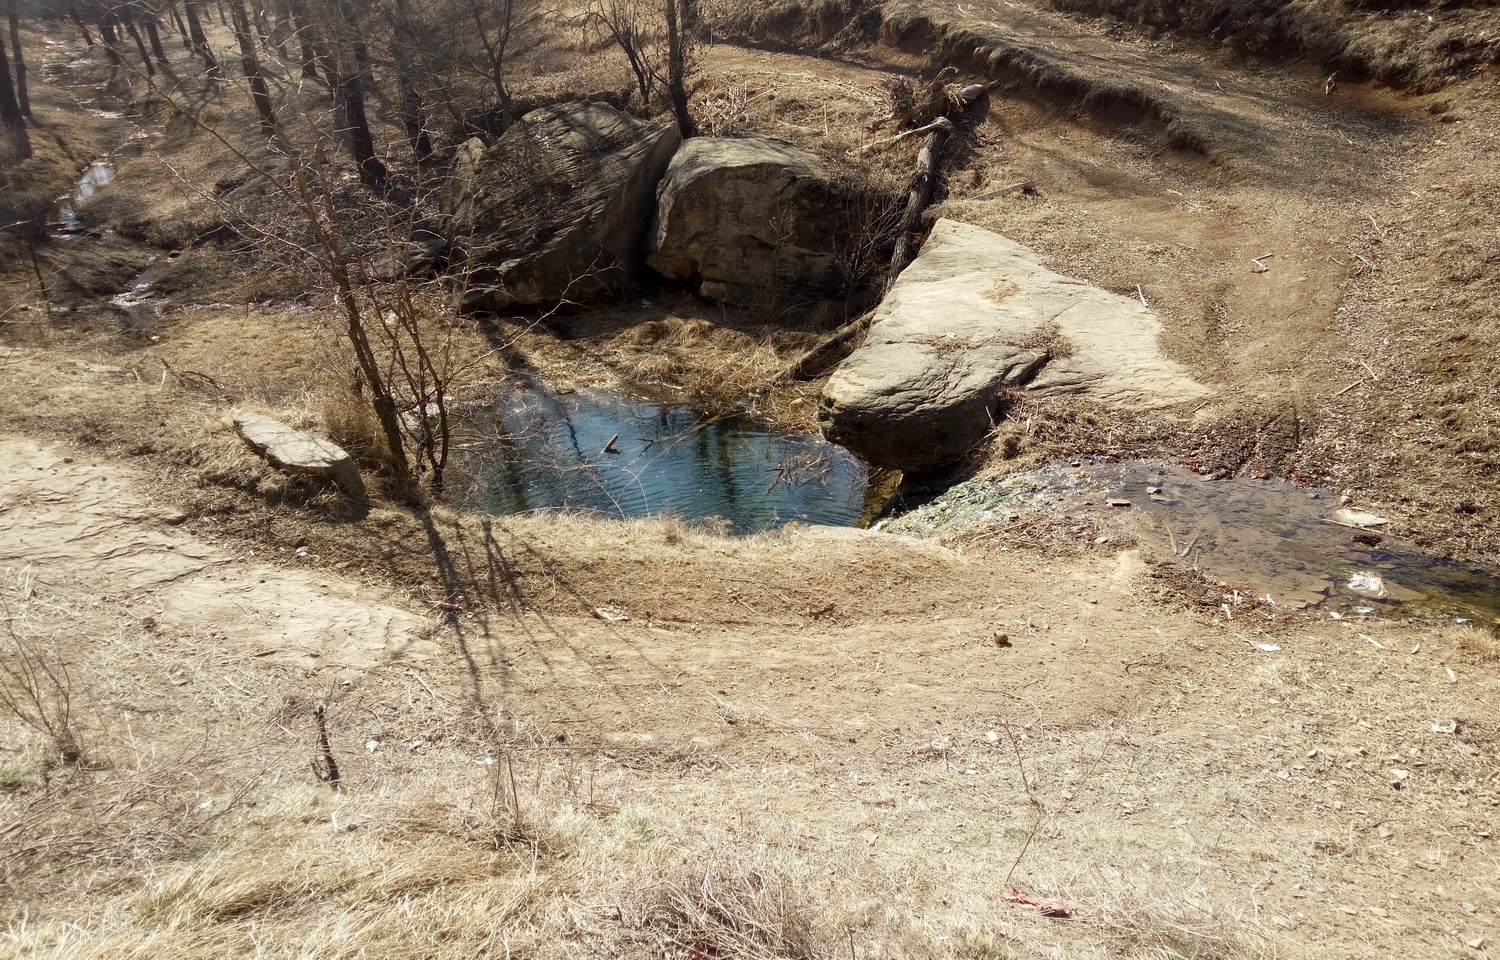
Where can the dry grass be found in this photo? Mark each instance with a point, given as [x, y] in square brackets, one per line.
[785, 750]
[1482, 643]
[501, 808]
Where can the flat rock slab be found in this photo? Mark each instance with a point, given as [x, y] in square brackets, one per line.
[557, 209]
[750, 219]
[976, 315]
[296, 452]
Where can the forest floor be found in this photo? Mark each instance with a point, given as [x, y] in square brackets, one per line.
[557, 736]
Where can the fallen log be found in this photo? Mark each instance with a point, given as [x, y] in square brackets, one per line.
[829, 352]
[920, 197]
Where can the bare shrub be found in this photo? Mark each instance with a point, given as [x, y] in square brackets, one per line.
[36, 689]
[734, 909]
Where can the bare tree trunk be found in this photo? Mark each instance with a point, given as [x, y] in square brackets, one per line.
[111, 40]
[154, 36]
[20, 60]
[307, 39]
[140, 45]
[182, 31]
[361, 144]
[920, 197]
[413, 117]
[200, 41]
[10, 110]
[677, 72]
[280, 29]
[250, 64]
[88, 38]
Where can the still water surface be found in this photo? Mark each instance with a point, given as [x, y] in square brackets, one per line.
[548, 452]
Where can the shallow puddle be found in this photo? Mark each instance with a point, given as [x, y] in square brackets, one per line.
[600, 452]
[1266, 537]
[100, 174]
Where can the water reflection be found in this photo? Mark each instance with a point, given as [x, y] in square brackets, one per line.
[623, 457]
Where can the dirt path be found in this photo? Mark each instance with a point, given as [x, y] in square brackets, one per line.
[80, 523]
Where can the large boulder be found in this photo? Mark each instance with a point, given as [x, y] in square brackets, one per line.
[558, 208]
[751, 219]
[975, 315]
[302, 453]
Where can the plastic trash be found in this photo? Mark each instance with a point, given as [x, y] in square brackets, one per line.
[1367, 585]
[1044, 906]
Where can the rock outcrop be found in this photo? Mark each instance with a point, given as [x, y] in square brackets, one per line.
[558, 208]
[976, 315]
[750, 219]
[302, 453]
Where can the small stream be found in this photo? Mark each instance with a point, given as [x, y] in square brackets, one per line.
[622, 457]
[137, 303]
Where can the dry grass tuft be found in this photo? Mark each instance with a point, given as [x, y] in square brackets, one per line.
[1482, 643]
[351, 423]
[730, 908]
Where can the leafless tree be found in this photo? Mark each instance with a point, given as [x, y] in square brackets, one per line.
[11, 116]
[657, 41]
[18, 58]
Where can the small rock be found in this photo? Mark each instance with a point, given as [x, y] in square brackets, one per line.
[1356, 518]
[298, 452]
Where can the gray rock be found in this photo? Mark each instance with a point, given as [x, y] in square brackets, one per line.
[976, 315]
[417, 257]
[751, 219]
[558, 208]
[298, 452]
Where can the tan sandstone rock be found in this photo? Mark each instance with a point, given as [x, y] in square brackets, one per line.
[976, 314]
[750, 219]
[297, 452]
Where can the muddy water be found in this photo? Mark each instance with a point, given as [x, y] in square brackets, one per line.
[1271, 538]
[623, 457]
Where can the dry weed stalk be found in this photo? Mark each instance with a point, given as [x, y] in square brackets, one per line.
[731, 909]
[36, 689]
